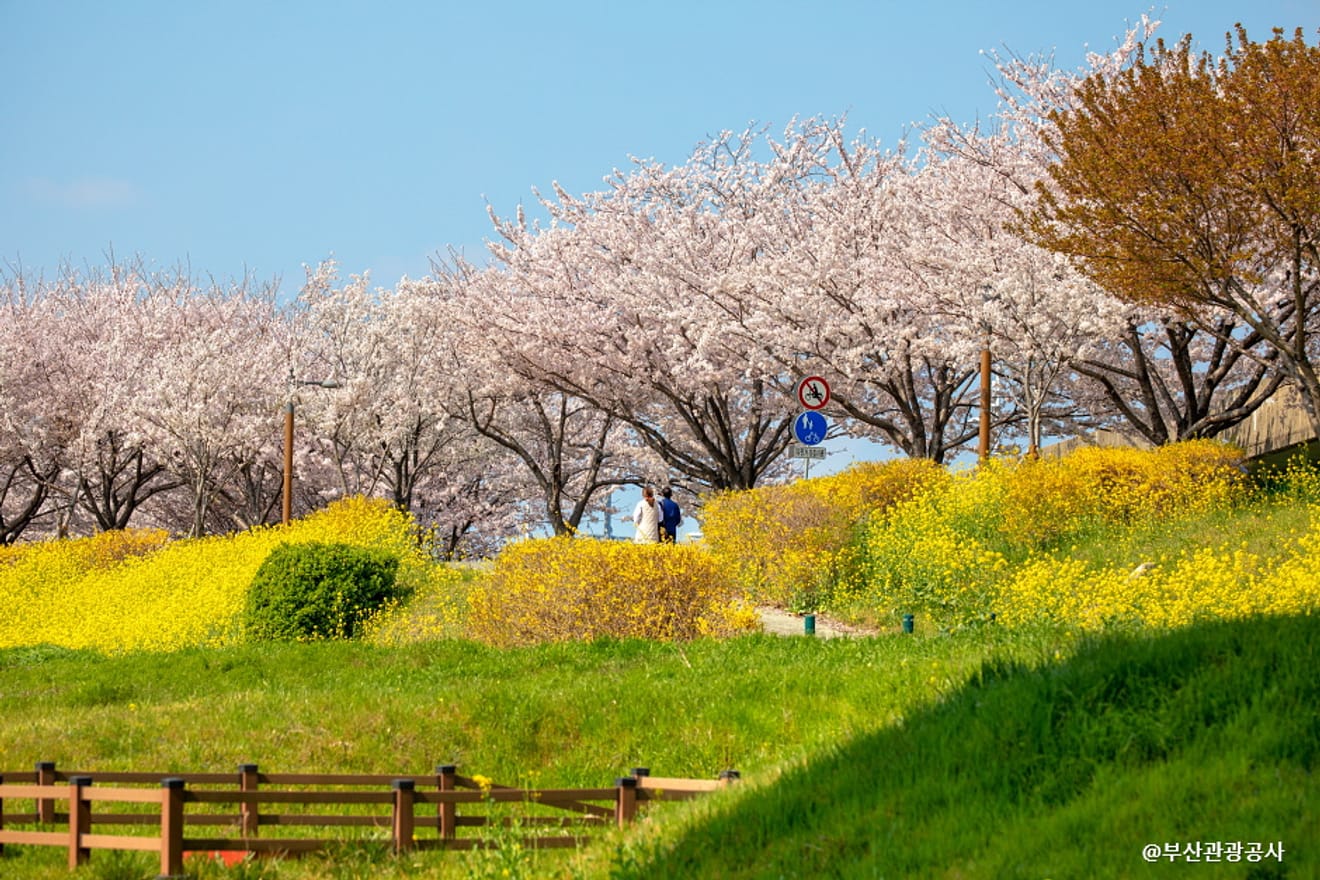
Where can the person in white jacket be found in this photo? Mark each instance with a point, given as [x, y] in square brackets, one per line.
[646, 517]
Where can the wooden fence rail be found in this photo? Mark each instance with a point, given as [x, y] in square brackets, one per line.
[373, 801]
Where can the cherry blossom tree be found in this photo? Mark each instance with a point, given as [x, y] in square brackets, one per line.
[388, 429]
[832, 295]
[32, 436]
[1167, 380]
[991, 289]
[619, 302]
[211, 386]
[89, 367]
[571, 452]
[385, 423]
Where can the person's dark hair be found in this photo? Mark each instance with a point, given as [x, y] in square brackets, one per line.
[667, 492]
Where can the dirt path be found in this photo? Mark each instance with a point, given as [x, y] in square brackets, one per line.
[777, 621]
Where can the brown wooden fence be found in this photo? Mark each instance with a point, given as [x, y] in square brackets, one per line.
[420, 812]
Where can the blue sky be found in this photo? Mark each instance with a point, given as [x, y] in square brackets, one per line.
[259, 136]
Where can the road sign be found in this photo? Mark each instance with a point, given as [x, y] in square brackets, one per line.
[797, 450]
[809, 428]
[813, 392]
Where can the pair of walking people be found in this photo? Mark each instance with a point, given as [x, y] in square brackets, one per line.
[656, 520]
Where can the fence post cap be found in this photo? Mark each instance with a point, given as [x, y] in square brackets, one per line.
[446, 768]
[45, 765]
[403, 785]
[641, 771]
[247, 768]
[80, 780]
[173, 782]
[730, 775]
[625, 782]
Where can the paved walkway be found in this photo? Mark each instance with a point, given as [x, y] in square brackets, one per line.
[779, 622]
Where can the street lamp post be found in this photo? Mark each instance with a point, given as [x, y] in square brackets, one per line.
[988, 295]
[287, 507]
[983, 445]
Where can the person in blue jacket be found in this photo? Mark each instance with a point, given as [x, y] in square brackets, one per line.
[670, 516]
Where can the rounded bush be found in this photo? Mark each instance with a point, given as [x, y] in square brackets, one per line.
[318, 591]
[564, 588]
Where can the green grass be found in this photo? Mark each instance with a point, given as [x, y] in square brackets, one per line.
[979, 754]
[1060, 770]
[570, 715]
[576, 713]
[1265, 527]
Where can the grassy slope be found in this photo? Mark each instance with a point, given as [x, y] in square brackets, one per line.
[1029, 766]
[575, 713]
[1206, 734]
[578, 714]
[1018, 757]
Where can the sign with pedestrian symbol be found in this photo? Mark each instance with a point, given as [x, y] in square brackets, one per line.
[813, 393]
[809, 428]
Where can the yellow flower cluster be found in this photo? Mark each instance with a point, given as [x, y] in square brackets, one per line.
[910, 537]
[1049, 498]
[124, 591]
[1213, 582]
[888, 538]
[564, 588]
[787, 544]
[436, 609]
[1295, 480]
[935, 553]
[998, 540]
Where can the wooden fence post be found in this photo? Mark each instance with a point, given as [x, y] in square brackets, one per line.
[80, 820]
[404, 818]
[171, 827]
[2, 810]
[640, 773]
[46, 806]
[447, 814]
[249, 816]
[625, 808]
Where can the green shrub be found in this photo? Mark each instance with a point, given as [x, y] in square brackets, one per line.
[318, 591]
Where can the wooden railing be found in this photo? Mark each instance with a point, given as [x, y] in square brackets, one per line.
[420, 812]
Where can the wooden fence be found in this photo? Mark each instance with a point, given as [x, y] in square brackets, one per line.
[420, 812]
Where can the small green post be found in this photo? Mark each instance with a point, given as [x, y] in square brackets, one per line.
[809, 624]
[907, 623]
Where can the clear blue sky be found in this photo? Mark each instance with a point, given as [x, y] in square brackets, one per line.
[260, 136]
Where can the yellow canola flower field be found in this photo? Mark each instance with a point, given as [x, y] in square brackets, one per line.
[1213, 582]
[957, 548]
[1063, 540]
[787, 543]
[136, 590]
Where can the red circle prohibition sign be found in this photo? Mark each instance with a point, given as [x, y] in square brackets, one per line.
[813, 392]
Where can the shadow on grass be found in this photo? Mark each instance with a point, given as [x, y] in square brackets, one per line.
[1209, 734]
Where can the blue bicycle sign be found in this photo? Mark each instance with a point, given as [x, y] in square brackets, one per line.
[809, 428]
